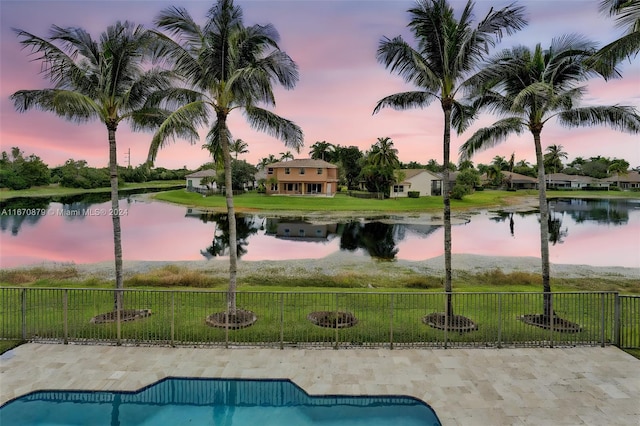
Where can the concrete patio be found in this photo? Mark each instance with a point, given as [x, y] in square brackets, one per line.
[570, 386]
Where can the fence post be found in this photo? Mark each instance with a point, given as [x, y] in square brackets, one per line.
[391, 323]
[602, 320]
[118, 326]
[281, 320]
[499, 320]
[617, 325]
[335, 346]
[23, 297]
[552, 320]
[65, 314]
[173, 318]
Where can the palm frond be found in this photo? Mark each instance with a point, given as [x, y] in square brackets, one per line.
[181, 123]
[64, 103]
[623, 118]
[462, 116]
[489, 137]
[405, 100]
[178, 22]
[56, 65]
[276, 126]
[402, 59]
[624, 48]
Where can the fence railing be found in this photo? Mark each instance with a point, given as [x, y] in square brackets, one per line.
[391, 320]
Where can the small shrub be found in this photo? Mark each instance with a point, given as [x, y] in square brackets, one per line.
[459, 191]
[173, 276]
[413, 194]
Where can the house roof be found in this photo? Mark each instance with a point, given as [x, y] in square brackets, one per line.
[202, 173]
[569, 178]
[629, 177]
[411, 173]
[518, 178]
[304, 162]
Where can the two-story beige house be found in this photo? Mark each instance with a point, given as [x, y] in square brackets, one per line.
[302, 177]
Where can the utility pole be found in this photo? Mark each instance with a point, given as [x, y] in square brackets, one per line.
[129, 157]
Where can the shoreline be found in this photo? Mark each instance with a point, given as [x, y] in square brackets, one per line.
[347, 263]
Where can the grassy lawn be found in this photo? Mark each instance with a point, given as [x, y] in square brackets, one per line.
[56, 190]
[343, 203]
[340, 203]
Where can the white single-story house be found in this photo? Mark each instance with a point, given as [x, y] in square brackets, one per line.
[195, 184]
[562, 180]
[628, 180]
[420, 180]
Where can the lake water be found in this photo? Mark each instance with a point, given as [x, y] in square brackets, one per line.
[592, 232]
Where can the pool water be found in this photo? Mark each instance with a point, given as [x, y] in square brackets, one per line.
[182, 401]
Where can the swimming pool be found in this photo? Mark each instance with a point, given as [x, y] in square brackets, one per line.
[188, 401]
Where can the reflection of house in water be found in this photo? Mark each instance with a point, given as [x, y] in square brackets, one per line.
[300, 230]
[606, 211]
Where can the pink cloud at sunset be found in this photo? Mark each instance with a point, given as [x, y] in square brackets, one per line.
[334, 44]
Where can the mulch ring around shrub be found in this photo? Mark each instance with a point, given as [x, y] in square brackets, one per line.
[560, 325]
[457, 323]
[332, 319]
[241, 319]
[125, 315]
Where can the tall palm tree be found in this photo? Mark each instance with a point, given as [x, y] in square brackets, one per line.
[553, 158]
[100, 79]
[627, 14]
[322, 150]
[238, 146]
[529, 88]
[448, 50]
[227, 66]
[383, 154]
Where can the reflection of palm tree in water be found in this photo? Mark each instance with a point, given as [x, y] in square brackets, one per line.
[245, 227]
[376, 238]
[556, 233]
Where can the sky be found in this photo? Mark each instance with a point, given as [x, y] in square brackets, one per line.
[334, 43]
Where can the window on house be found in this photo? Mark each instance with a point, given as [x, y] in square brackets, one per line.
[287, 171]
[301, 171]
[314, 188]
[274, 186]
[319, 171]
[301, 232]
[398, 188]
[270, 171]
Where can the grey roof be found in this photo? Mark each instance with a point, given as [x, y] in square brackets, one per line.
[569, 178]
[304, 162]
[629, 177]
[202, 173]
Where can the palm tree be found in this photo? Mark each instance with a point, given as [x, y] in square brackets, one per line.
[239, 146]
[285, 156]
[448, 51]
[228, 66]
[322, 150]
[529, 88]
[383, 154]
[267, 160]
[627, 13]
[97, 79]
[553, 158]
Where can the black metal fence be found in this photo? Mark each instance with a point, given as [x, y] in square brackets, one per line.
[388, 320]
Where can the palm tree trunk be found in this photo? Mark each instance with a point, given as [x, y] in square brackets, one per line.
[446, 198]
[544, 227]
[231, 215]
[115, 215]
